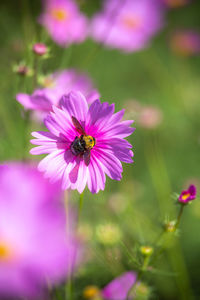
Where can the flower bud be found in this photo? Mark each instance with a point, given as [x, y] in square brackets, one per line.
[40, 49]
[108, 234]
[142, 291]
[146, 250]
[22, 69]
[170, 226]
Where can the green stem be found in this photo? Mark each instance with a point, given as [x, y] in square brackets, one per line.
[179, 216]
[69, 289]
[147, 258]
[141, 272]
[80, 207]
[35, 68]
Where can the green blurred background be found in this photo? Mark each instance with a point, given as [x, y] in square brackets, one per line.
[167, 158]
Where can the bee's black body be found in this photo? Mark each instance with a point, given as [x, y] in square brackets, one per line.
[82, 145]
[78, 146]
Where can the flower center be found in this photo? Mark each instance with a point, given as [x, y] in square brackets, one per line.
[5, 252]
[186, 196]
[91, 292]
[59, 14]
[131, 21]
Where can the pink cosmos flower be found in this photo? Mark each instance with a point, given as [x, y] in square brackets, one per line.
[119, 287]
[185, 42]
[34, 245]
[188, 195]
[127, 25]
[83, 144]
[63, 21]
[56, 85]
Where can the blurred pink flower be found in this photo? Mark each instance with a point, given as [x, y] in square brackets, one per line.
[118, 288]
[185, 42]
[34, 245]
[56, 85]
[127, 25]
[63, 21]
[100, 124]
[188, 195]
[150, 117]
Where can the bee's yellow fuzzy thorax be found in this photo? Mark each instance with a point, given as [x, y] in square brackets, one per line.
[89, 141]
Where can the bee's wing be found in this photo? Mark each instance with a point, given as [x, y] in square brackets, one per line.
[78, 125]
[86, 157]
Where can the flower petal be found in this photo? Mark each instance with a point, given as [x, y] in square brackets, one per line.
[75, 104]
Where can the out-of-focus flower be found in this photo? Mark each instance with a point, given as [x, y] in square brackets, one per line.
[84, 143]
[118, 288]
[188, 195]
[117, 202]
[54, 87]
[85, 231]
[40, 49]
[34, 245]
[108, 234]
[22, 69]
[92, 292]
[150, 117]
[185, 42]
[127, 25]
[63, 21]
[175, 3]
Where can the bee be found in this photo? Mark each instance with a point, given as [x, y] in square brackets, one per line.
[83, 144]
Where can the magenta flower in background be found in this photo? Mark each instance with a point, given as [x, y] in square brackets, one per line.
[75, 128]
[34, 245]
[188, 195]
[185, 42]
[127, 25]
[56, 85]
[63, 21]
[119, 287]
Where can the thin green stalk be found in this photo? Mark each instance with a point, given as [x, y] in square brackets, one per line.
[35, 69]
[69, 289]
[141, 272]
[179, 216]
[80, 207]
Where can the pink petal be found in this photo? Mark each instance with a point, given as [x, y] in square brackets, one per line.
[75, 104]
[25, 100]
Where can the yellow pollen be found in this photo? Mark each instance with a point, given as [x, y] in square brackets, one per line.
[5, 252]
[59, 14]
[131, 22]
[91, 292]
[184, 197]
